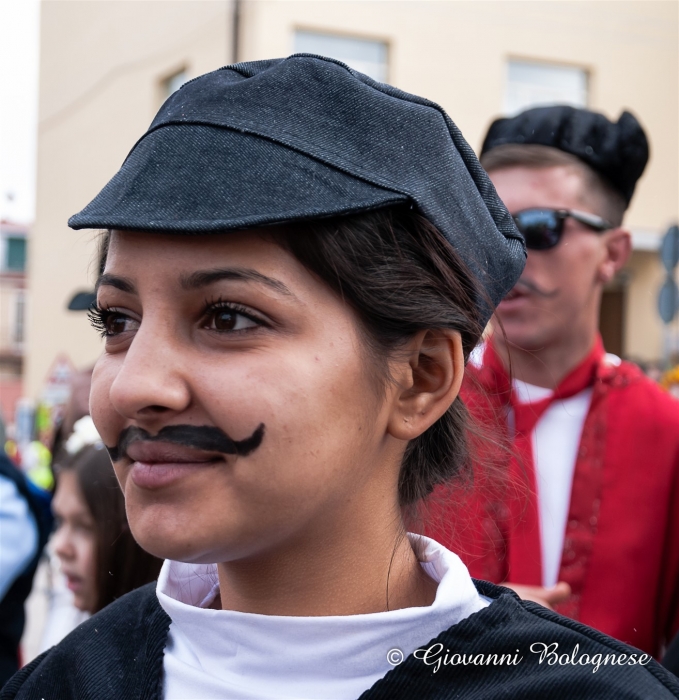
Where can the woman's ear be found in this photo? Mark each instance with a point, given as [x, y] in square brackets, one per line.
[429, 380]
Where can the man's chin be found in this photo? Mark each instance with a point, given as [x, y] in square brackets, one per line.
[522, 336]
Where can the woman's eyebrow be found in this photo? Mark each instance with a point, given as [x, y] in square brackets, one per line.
[202, 278]
[122, 283]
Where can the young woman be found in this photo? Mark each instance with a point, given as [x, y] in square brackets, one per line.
[97, 553]
[299, 262]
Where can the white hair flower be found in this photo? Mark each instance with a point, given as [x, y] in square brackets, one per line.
[84, 433]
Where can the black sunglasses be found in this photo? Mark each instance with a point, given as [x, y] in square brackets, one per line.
[543, 228]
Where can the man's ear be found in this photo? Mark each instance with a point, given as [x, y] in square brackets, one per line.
[429, 380]
[618, 248]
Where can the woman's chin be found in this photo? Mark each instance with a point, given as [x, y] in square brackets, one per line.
[82, 603]
[191, 547]
[163, 547]
[200, 532]
[202, 546]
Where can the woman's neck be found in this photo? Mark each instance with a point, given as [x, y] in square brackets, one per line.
[347, 574]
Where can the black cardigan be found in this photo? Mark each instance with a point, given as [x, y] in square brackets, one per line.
[118, 655]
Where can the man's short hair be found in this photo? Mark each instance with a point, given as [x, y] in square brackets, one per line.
[609, 202]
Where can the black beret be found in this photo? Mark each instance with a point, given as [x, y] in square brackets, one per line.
[306, 137]
[617, 151]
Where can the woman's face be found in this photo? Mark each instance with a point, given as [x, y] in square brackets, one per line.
[75, 541]
[251, 376]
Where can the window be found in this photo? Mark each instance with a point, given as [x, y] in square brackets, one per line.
[173, 82]
[534, 84]
[15, 260]
[363, 55]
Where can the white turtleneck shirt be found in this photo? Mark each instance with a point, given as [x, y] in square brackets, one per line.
[223, 654]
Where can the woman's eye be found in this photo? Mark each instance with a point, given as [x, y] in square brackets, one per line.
[116, 324]
[111, 323]
[227, 319]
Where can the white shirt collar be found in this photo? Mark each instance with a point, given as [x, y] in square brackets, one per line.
[530, 393]
[213, 652]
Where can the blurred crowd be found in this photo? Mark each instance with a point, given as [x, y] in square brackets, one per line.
[61, 509]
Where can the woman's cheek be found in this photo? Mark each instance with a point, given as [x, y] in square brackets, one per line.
[106, 419]
[87, 560]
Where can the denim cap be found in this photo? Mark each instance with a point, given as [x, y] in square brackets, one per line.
[307, 137]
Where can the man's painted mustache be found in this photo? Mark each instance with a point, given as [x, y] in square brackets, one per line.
[535, 289]
[201, 437]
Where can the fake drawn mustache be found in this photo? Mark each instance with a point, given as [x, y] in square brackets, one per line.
[535, 289]
[201, 437]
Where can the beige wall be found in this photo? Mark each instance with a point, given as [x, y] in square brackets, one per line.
[101, 66]
[101, 63]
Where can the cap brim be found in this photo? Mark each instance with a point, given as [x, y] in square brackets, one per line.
[172, 181]
[82, 301]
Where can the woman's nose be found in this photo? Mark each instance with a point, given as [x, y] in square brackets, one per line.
[151, 378]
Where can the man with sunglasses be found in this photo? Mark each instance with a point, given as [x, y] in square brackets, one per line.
[589, 521]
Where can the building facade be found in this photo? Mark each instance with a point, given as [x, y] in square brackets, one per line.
[13, 247]
[106, 66]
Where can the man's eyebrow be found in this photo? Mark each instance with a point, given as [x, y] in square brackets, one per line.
[202, 278]
[122, 283]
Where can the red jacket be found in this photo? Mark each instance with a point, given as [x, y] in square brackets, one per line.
[621, 546]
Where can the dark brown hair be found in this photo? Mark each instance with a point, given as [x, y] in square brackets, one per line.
[121, 564]
[610, 203]
[401, 276]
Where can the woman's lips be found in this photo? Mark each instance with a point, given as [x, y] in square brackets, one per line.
[74, 583]
[158, 464]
